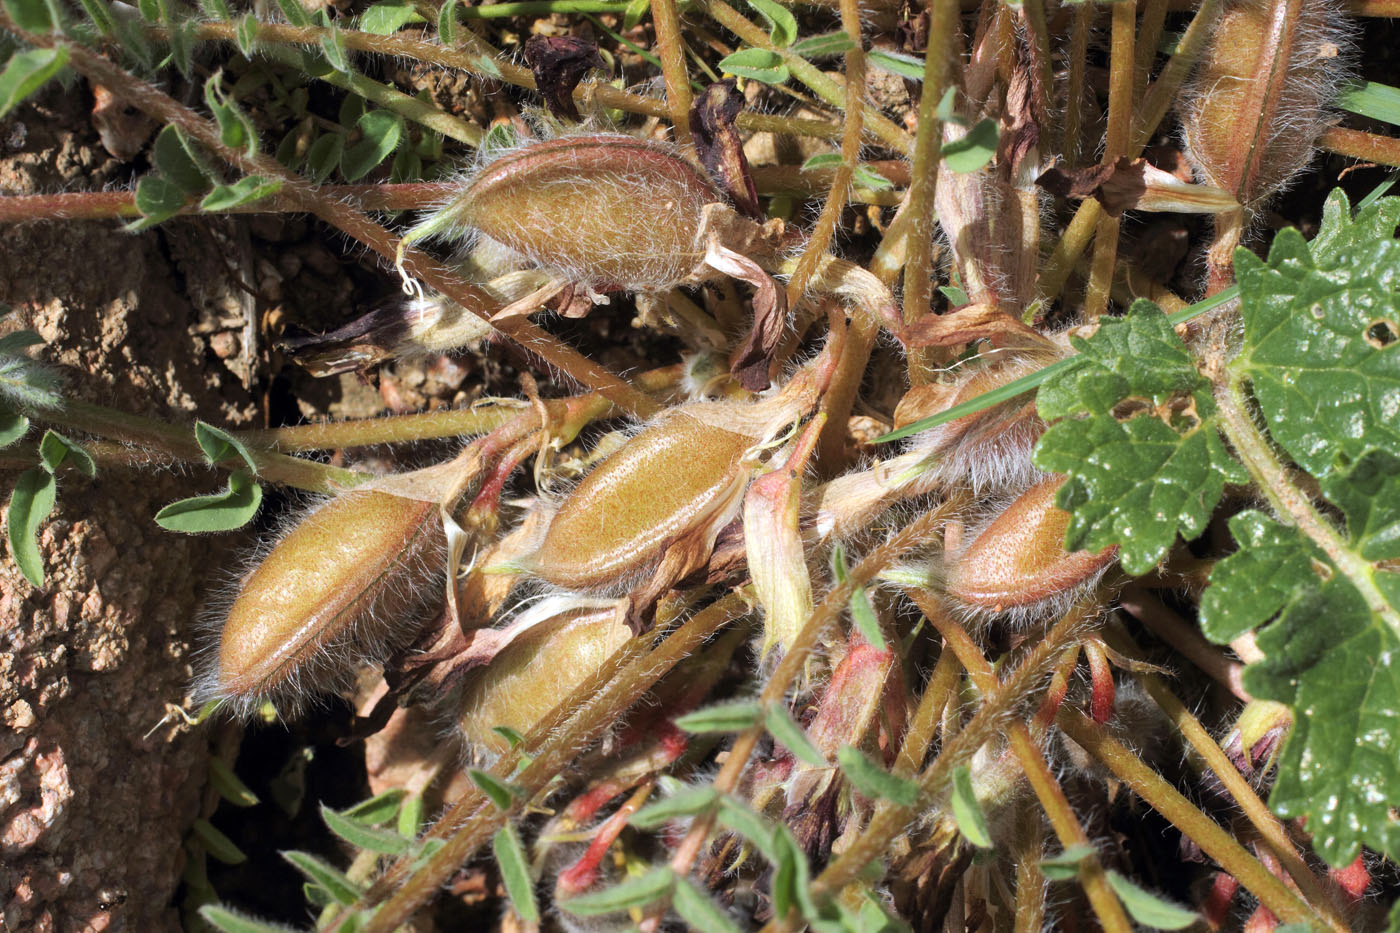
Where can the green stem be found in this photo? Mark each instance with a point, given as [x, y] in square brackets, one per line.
[1292, 503]
[540, 8]
[1185, 816]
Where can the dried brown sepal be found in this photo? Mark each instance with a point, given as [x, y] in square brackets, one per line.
[1136, 185]
[966, 324]
[751, 361]
[558, 64]
[720, 147]
[343, 585]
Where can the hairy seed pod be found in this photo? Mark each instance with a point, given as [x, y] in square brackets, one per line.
[603, 209]
[1259, 99]
[344, 584]
[1018, 563]
[531, 675]
[680, 480]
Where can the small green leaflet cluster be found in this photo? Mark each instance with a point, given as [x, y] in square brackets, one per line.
[364, 826]
[1140, 439]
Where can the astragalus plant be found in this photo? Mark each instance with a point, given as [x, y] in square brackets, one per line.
[986, 497]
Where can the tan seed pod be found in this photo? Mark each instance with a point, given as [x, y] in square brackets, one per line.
[600, 209]
[675, 483]
[531, 675]
[1018, 564]
[346, 583]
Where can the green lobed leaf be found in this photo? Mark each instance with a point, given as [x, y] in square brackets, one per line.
[1322, 338]
[1147, 908]
[370, 838]
[13, 425]
[55, 450]
[217, 844]
[1368, 493]
[782, 25]
[1065, 866]
[634, 892]
[499, 792]
[244, 191]
[228, 921]
[229, 785]
[174, 159]
[874, 781]
[780, 724]
[722, 717]
[26, 72]
[225, 511]
[1137, 443]
[320, 872]
[967, 812]
[1248, 588]
[381, 131]
[696, 908]
[515, 873]
[31, 501]
[974, 149]
[824, 45]
[686, 804]
[762, 65]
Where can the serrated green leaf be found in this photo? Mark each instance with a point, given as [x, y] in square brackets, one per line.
[244, 191]
[228, 921]
[217, 844]
[515, 873]
[500, 792]
[1147, 908]
[780, 724]
[762, 65]
[377, 810]
[327, 876]
[782, 25]
[824, 45]
[967, 812]
[1065, 866]
[30, 15]
[634, 892]
[906, 66]
[382, 130]
[225, 511]
[722, 717]
[31, 501]
[26, 72]
[1327, 388]
[158, 199]
[171, 153]
[874, 781]
[13, 426]
[1368, 493]
[687, 803]
[1138, 482]
[387, 18]
[974, 149]
[696, 908]
[1249, 587]
[55, 450]
[230, 787]
[383, 841]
